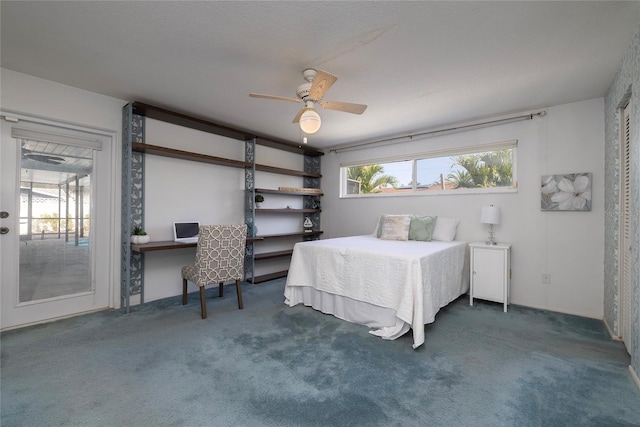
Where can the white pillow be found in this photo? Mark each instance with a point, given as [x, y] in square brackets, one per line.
[445, 229]
[395, 227]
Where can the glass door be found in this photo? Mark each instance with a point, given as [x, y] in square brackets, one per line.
[48, 247]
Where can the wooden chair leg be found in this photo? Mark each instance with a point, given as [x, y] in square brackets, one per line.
[239, 292]
[203, 302]
[184, 291]
[221, 289]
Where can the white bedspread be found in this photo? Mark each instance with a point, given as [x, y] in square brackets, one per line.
[413, 278]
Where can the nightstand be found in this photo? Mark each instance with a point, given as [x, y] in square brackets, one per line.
[490, 272]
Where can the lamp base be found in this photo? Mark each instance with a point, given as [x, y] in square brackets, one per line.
[492, 240]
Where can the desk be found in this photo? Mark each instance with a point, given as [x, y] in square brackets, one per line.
[170, 244]
[164, 245]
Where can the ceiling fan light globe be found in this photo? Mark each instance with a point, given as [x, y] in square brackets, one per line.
[310, 122]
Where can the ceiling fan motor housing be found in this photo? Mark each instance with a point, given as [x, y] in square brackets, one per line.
[303, 91]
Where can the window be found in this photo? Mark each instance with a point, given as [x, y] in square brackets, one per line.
[489, 168]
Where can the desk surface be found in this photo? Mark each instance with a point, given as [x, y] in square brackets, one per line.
[170, 244]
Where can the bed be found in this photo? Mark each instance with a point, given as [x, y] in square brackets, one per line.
[388, 285]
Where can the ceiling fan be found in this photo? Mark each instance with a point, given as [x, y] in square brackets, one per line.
[310, 93]
[44, 158]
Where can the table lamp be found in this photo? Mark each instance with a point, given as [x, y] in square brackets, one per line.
[491, 216]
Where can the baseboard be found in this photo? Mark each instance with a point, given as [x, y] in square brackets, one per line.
[42, 322]
[611, 334]
[634, 375]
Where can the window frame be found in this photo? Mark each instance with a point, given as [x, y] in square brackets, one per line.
[448, 152]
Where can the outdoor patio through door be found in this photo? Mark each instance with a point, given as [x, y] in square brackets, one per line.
[57, 204]
[55, 220]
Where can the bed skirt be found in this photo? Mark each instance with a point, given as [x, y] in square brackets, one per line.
[382, 320]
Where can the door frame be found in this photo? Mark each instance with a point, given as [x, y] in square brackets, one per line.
[110, 215]
[623, 243]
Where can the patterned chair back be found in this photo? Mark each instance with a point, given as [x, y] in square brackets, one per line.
[220, 253]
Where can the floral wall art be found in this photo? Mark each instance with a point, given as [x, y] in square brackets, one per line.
[569, 192]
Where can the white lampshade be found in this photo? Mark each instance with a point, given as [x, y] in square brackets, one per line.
[490, 215]
[310, 121]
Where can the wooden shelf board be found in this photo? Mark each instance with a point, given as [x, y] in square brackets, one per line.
[267, 277]
[298, 234]
[271, 255]
[187, 155]
[289, 193]
[285, 210]
[170, 244]
[282, 171]
[180, 119]
[294, 148]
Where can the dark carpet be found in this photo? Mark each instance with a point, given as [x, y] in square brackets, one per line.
[271, 365]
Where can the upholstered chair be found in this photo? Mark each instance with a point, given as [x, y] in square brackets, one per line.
[219, 258]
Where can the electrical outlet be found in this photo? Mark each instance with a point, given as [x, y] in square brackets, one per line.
[546, 278]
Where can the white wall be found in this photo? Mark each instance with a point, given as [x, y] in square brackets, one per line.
[45, 99]
[38, 97]
[567, 245]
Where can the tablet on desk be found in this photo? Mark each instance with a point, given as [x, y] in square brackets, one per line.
[186, 231]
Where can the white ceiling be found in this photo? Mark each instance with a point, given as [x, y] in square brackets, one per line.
[417, 65]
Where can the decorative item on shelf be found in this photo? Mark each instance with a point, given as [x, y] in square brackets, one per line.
[307, 224]
[139, 236]
[259, 199]
[491, 216]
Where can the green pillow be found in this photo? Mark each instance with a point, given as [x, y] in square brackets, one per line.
[421, 227]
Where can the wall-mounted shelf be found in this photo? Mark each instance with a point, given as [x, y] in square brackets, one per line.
[288, 193]
[170, 244]
[187, 155]
[204, 158]
[283, 235]
[271, 255]
[281, 171]
[288, 210]
[270, 276]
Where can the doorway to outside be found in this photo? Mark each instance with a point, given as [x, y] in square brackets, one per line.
[56, 216]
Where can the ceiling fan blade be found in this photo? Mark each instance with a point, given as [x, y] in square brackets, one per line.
[321, 84]
[296, 119]
[277, 98]
[346, 107]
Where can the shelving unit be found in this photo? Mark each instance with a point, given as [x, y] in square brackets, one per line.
[133, 154]
[312, 180]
